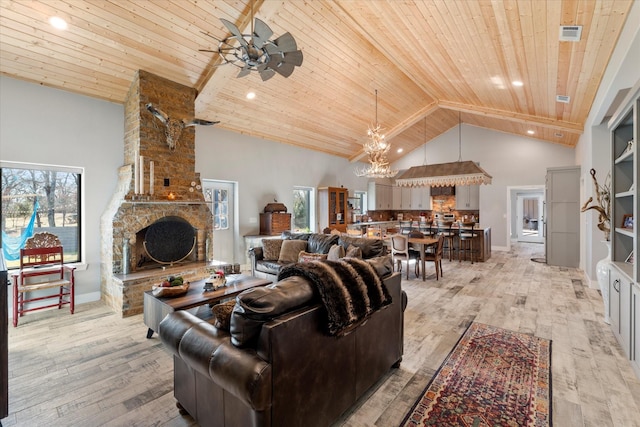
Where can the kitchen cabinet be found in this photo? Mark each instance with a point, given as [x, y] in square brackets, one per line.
[332, 208]
[406, 198]
[468, 197]
[420, 198]
[398, 198]
[379, 196]
[620, 308]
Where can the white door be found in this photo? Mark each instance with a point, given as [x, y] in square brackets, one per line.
[529, 218]
[220, 196]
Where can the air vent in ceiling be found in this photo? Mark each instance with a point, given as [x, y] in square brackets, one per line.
[570, 33]
[563, 98]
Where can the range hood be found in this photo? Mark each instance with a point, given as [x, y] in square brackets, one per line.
[444, 175]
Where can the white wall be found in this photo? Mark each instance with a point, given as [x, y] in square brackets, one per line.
[510, 159]
[267, 170]
[50, 126]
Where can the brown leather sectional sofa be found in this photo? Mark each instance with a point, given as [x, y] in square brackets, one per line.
[316, 243]
[277, 366]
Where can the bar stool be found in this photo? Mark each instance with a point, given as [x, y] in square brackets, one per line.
[445, 229]
[405, 227]
[466, 235]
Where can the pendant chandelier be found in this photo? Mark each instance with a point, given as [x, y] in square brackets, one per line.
[376, 148]
[445, 174]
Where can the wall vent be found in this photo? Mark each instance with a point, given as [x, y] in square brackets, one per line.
[570, 33]
[563, 98]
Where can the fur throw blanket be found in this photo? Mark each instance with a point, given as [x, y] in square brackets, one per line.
[349, 288]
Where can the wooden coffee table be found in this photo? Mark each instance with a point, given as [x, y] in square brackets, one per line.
[155, 309]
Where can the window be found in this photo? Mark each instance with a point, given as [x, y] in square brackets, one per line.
[220, 199]
[303, 209]
[39, 198]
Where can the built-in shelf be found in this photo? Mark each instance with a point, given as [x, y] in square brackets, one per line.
[627, 156]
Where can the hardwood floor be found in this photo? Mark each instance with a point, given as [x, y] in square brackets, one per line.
[97, 369]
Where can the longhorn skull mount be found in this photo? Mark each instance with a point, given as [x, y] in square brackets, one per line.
[173, 127]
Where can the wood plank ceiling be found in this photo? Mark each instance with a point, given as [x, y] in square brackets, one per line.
[432, 62]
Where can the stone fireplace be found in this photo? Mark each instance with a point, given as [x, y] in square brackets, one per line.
[157, 222]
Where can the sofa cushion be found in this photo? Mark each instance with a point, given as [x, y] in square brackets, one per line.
[222, 313]
[291, 249]
[271, 249]
[353, 252]
[308, 256]
[370, 247]
[257, 305]
[335, 253]
[383, 265]
[321, 243]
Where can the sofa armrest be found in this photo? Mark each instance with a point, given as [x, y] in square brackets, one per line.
[209, 351]
[255, 254]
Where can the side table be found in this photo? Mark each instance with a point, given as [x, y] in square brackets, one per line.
[155, 309]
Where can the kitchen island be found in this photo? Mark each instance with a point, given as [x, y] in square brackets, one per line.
[382, 229]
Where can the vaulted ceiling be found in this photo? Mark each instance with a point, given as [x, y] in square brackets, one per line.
[433, 63]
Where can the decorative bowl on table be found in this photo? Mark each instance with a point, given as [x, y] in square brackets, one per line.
[172, 287]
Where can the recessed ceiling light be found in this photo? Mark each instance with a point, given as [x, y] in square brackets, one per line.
[531, 132]
[517, 83]
[251, 95]
[400, 150]
[58, 23]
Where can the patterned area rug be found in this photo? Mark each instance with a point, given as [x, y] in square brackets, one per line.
[492, 377]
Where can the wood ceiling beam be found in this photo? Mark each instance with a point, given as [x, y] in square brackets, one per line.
[420, 114]
[514, 117]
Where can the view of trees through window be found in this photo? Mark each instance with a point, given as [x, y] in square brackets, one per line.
[302, 209]
[39, 199]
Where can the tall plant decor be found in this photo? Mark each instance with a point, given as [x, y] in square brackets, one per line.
[602, 204]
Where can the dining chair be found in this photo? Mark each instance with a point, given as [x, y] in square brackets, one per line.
[400, 252]
[466, 236]
[445, 229]
[435, 256]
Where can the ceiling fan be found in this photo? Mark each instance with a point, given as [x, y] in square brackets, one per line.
[255, 52]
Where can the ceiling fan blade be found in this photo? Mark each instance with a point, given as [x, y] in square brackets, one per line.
[286, 43]
[235, 32]
[284, 69]
[261, 33]
[294, 58]
[245, 71]
[266, 74]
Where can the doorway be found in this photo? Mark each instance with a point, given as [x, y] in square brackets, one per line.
[221, 196]
[529, 217]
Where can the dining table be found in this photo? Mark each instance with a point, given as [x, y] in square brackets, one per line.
[423, 243]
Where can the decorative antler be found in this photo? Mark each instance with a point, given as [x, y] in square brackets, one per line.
[173, 127]
[603, 206]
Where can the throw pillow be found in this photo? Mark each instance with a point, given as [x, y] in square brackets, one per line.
[271, 249]
[335, 253]
[222, 313]
[291, 249]
[353, 252]
[308, 256]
